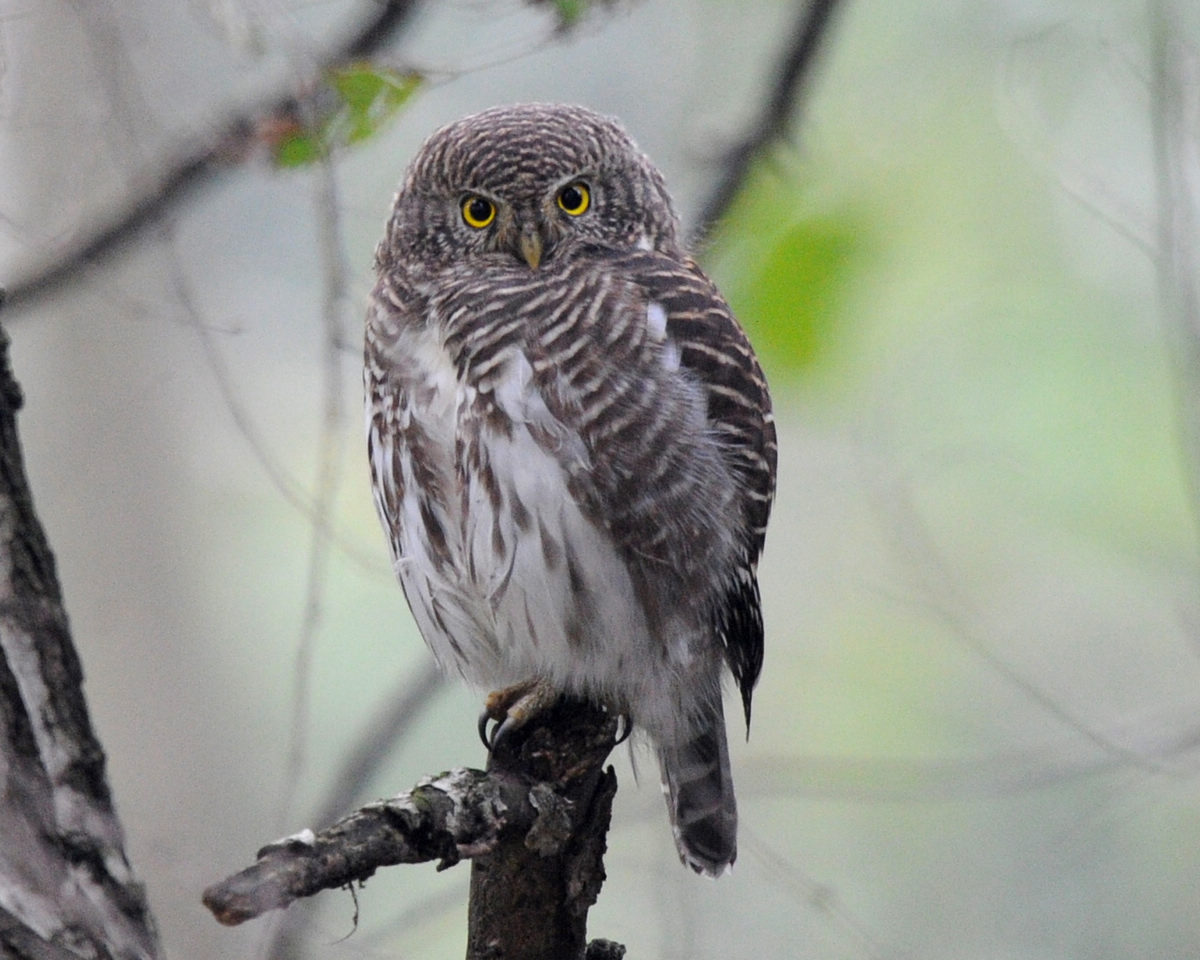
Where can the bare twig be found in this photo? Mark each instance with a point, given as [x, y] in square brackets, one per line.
[199, 163]
[329, 473]
[1026, 122]
[777, 113]
[937, 589]
[1175, 103]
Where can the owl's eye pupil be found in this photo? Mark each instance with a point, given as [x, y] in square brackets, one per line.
[574, 198]
[478, 212]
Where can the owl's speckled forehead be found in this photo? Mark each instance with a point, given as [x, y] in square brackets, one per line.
[522, 144]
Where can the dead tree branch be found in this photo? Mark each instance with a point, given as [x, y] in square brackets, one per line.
[534, 823]
[441, 819]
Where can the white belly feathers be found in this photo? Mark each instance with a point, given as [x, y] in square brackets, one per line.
[533, 587]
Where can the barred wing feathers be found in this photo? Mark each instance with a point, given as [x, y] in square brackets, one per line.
[715, 348]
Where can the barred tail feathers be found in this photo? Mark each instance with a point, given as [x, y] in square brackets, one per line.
[699, 788]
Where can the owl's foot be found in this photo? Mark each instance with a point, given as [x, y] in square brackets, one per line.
[513, 707]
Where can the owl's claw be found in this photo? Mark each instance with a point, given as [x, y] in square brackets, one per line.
[504, 725]
[484, 719]
[512, 708]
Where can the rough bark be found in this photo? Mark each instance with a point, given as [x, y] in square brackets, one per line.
[66, 889]
[534, 824]
[531, 892]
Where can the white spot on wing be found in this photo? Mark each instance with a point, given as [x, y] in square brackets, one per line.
[670, 355]
[656, 320]
[656, 324]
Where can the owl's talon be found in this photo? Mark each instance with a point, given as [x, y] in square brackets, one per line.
[484, 719]
[513, 707]
[624, 729]
[504, 729]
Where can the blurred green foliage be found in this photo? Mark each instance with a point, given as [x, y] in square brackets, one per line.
[363, 99]
[570, 11]
[787, 267]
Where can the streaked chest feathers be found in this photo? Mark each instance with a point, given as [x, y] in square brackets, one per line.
[547, 473]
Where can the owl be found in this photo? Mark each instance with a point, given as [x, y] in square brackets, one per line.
[571, 443]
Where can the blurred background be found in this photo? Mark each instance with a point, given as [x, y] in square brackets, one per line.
[976, 733]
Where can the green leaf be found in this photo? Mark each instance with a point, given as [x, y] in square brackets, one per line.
[370, 97]
[297, 150]
[797, 291]
[570, 12]
[361, 99]
[787, 260]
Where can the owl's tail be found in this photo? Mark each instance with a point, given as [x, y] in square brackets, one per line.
[699, 788]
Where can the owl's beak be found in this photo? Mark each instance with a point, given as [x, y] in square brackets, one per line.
[530, 244]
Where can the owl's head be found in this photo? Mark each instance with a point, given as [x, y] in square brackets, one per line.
[537, 182]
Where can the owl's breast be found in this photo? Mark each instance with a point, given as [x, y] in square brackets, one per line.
[506, 575]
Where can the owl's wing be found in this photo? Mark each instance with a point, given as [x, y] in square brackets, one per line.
[715, 349]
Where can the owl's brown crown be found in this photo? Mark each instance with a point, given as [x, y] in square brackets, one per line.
[494, 182]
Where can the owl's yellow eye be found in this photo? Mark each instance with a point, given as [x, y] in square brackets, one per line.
[575, 198]
[478, 211]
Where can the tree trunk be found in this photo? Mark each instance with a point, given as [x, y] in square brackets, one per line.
[66, 889]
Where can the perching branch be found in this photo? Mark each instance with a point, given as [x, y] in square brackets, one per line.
[199, 163]
[534, 823]
[777, 112]
[66, 889]
[531, 891]
[443, 818]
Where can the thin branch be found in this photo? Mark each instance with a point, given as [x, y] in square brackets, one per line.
[199, 163]
[1174, 106]
[181, 178]
[777, 114]
[457, 815]
[1027, 125]
[937, 590]
[811, 894]
[329, 474]
[279, 476]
